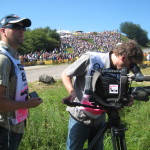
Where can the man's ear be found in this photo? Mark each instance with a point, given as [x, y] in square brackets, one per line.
[2, 30]
[123, 57]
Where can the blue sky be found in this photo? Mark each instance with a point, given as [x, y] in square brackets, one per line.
[85, 15]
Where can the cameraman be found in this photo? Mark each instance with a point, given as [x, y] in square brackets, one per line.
[84, 122]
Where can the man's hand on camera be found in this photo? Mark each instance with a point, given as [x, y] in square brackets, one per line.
[69, 99]
[73, 95]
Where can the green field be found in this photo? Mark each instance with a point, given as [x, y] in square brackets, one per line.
[47, 124]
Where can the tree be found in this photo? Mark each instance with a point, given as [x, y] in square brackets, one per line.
[135, 32]
[40, 39]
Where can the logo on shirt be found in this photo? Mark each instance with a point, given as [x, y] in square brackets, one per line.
[96, 66]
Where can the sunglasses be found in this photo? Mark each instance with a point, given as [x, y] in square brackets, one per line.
[15, 27]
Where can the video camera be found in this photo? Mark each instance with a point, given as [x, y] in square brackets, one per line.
[112, 88]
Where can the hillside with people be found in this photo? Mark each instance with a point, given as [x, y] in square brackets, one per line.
[73, 45]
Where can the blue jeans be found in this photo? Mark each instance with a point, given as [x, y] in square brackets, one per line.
[78, 133]
[9, 140]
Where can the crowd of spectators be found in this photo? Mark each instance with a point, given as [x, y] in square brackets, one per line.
[42, 56]
[80, 43]
[99, 41]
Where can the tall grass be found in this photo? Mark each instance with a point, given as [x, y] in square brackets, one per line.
[47, 124]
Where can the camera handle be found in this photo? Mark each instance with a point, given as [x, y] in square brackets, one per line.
[117, 131]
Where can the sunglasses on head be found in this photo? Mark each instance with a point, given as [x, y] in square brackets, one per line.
[16, 27]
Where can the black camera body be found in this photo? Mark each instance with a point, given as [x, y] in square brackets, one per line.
[112, 88]
[108, 87]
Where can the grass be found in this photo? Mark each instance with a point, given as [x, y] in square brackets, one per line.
[69, 50]
[47, 124]
[88, 40]
[124, 38]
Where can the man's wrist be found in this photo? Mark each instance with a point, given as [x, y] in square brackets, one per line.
[72, 91]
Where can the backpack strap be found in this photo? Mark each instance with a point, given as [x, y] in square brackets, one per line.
[12, 71]
[96, 75]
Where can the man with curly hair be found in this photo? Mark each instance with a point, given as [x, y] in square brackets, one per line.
[84, 123]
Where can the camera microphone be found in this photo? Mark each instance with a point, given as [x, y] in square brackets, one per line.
[146, 78]
[140, 78]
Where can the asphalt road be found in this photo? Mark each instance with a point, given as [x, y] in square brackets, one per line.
[34, 72]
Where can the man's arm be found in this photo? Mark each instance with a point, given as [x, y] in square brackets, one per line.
[67, 81]
[78, 68]
[11, 105]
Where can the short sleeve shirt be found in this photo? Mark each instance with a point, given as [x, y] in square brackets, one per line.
[78, 71]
